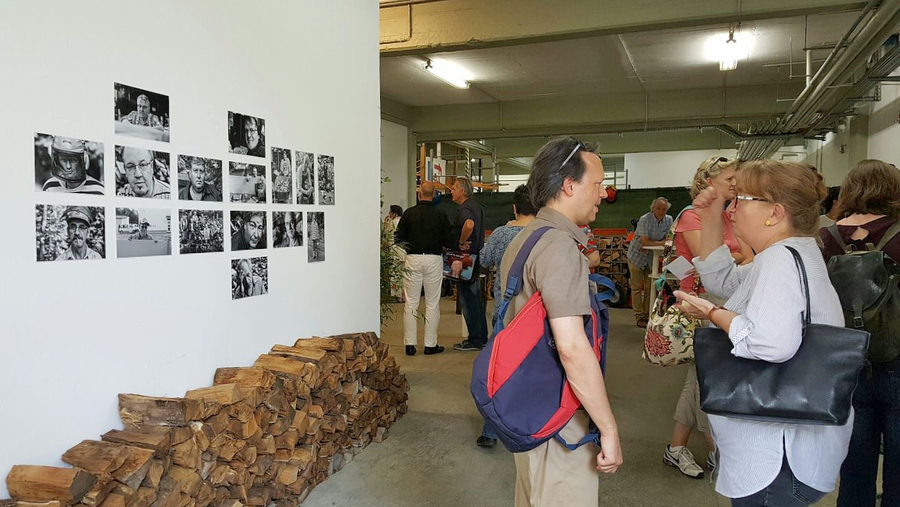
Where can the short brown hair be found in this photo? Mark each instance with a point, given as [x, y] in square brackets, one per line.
[872, 187]
[790, 184]
[710, 168]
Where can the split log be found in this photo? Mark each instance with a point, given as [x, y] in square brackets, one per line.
[157, 439]
[41, 483]
[154, 474]
[331, 344]
[223, 394]
[137, 411]
[13, 503]
[98, 458]
[144, 497]
[113, 500]
[98, 493]
[310, 355]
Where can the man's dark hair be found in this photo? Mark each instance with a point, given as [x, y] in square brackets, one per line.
[522, 200]
[548, 171]
[396, 209]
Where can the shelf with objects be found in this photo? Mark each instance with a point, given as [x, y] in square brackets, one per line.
[613, 247]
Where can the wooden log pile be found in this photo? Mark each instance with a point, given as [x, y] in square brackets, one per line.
[259, 436]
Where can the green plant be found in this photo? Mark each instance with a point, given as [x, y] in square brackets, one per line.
[392, 270]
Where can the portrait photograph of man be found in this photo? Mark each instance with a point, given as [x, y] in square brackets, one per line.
[326, 179]
[141, 113]
[247, 182]
[249, 277]
[306, 178]
[68, 165]
[281, 176]
[142, 173]
[246, 135]
[248, 230]
[199, 179]
[143, 232]
[69, 233]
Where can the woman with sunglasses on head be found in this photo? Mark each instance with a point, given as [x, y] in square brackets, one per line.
[775, 208]
[719, 173]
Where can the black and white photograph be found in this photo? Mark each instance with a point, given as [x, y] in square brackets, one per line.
[247, 182]
[201, 231]
[248, 230]
[141, 113]
[281, 176]
[246, 135]
[142, 173]
[143, 232]
[326, 179]
[67, 164]
[249, 277]
[306, 178]
[315, 232]
[287, 229]
[69, 233]
[199, 179]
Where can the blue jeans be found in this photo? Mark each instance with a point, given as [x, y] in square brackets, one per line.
[877, 405]
[785, 491]
[473, 310]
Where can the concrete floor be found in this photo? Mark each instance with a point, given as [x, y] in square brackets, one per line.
[430, 457]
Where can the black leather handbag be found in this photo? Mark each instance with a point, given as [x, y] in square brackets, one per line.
[813, 387]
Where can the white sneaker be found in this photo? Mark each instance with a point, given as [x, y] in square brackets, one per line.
[681, 458]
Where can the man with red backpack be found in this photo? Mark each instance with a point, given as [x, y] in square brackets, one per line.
[566, 186]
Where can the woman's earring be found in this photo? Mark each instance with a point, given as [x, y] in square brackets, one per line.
[768, 223]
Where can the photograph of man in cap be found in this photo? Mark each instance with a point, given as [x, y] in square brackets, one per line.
[78, 221]
[142, 233]
[63, 164]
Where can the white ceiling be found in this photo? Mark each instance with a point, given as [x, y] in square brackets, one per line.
[614, 65]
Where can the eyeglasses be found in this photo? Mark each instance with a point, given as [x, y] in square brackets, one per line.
[78, 226]
[738, 198]
[578, 146]
[144, 165]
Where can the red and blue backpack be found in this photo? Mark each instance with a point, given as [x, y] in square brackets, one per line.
[518, 380]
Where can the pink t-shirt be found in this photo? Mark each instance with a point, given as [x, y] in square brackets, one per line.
[689, 221]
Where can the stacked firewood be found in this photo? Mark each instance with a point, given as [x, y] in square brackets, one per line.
[261, 435]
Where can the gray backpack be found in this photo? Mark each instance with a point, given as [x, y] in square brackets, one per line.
[867, 285]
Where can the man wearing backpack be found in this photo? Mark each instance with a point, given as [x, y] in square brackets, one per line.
[566, 186]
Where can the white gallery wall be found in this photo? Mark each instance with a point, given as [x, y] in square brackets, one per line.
[75, 334]
[667, 168]
[395, 165]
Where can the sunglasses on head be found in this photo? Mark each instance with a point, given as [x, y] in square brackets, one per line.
[578, 145]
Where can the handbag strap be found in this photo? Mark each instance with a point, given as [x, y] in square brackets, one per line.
[837, 237]
[802, 268]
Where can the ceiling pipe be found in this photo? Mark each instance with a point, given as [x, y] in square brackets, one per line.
[402, 3]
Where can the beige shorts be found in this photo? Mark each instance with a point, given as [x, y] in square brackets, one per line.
[551, 475]
[688, 412]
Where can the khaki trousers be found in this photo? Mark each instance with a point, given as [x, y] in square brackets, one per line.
[640, 290]
[551, 475]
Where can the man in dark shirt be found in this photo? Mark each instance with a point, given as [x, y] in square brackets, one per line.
[423, 231]
[470, 220]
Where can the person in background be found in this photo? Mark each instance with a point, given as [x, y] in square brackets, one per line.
[868, 205]
[423, 231]
[142, 234]
[719, 173]
[829, 208]
[566, 190]
[470, 221]
[392, 219]
[489, 257]
[776, 206]
[651, 230]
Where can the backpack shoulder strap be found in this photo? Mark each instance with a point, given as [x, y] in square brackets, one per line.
[514, 279]
[837, 237]
[889, 235]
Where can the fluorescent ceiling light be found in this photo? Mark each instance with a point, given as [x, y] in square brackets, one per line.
[728, 49]
[449, 72]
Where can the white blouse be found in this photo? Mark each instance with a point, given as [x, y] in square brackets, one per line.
[769, 298]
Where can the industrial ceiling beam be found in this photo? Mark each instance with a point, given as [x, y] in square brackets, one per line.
[416, 28]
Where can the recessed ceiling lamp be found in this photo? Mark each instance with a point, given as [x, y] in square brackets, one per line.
[728, 51]
[449, 72]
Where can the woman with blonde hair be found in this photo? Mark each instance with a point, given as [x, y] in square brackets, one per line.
[868, 209]
[718, 173]
[775, 209]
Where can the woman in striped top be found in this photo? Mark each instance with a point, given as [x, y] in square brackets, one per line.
[776, 206]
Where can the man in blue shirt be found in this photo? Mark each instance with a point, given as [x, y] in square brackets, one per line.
[651, 230]
[470, 220]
